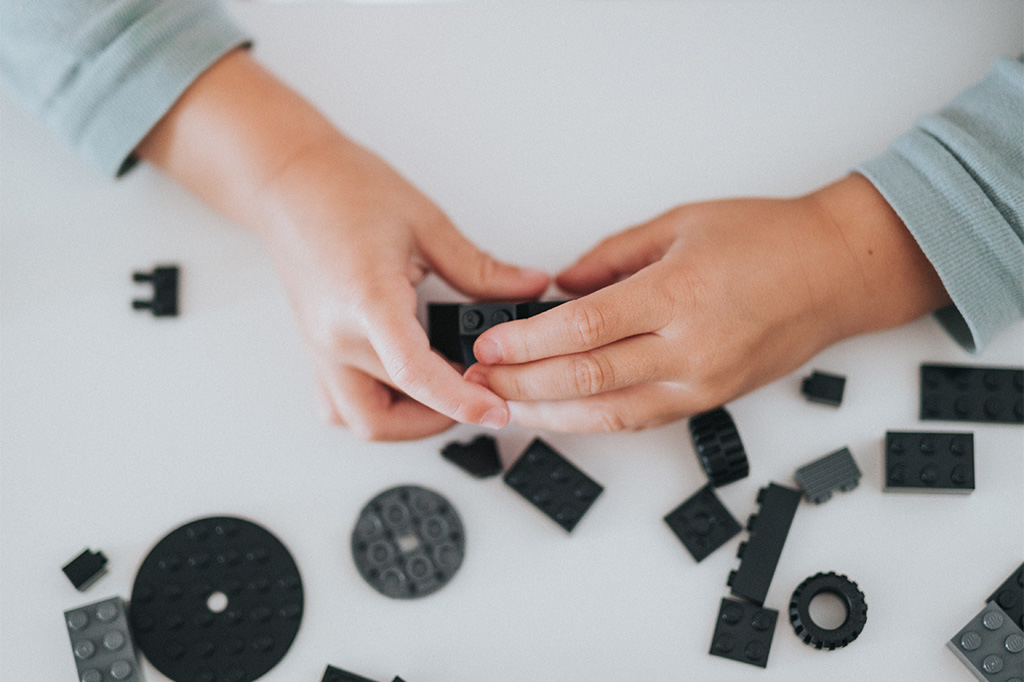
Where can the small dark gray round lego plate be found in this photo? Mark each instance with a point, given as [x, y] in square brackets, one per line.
[217, 600]
[408, 542]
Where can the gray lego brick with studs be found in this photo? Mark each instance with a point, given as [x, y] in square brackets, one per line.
[102, 643]
[991, 646]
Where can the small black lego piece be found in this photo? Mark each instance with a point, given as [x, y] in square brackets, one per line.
[759, 555]
[702, 523]
[824, 388]
[1010, 597]
[86, 569]
[929, 462]
[835, 471]
[479, 457]
[719, 447]
[408, 542]
[744, 632]
[990, 395]
[454, 327]
[553, 484]
[333, 674]
[165, 291]
[828, 638]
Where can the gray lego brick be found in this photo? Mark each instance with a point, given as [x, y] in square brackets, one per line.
[991, 646]
[835, 471]
[102, 643]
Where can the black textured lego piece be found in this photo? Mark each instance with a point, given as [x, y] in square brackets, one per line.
[824, 388]
[719, 447]
[929, 462]
[835, 471]
[553, 484]
[759, 555]
[991, 646]
[86, 569]
[408, 542]
[478, 458]
[852, 599]
[165, 291]
[744, 632]
[218, 599]
[1010, 597]
[454, 327]
[702, 523]
[333, 674]
[990, 395]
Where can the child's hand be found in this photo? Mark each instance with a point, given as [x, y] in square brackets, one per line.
[704, 304]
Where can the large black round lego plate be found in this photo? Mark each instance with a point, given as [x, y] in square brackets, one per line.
[217, 600]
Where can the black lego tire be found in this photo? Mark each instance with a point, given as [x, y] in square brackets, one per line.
[719, 447]
[810, 632]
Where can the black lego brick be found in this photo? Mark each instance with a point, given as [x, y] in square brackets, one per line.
[1010, 597]
[825, 388]
[759, 555]
[744, 632]
[702, 523]
[453, 328]
[333, 674]
[165, 291]
[929, 462]
[478, 458]
[443, 329]
[719, 447]
[835, 471]
[86, 569]
[553, 484]
[990, 395]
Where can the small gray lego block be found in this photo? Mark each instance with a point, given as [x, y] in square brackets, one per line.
[102, 643]
[820, 478]
[991, 646]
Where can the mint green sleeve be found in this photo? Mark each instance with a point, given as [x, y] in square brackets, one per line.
[957, 181]
[101, 73]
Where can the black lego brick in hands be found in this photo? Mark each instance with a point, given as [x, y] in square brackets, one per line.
[86, 569]
[553, 484]
[835, 471]
[991, 395]
[719, 447]
[744, 632]
[478, 458]
[333, 674]
[702, 523]
[991, 646]
[759, 555]
[453, 328]
[165, 291]
[929, 462]
[825, 388]
[1010, 597]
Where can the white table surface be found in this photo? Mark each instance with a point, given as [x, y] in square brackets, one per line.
[539, 127]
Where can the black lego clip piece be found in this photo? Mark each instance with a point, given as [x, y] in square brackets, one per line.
[86, 569]
[165, 291]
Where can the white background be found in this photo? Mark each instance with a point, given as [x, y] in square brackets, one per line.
[539, 127]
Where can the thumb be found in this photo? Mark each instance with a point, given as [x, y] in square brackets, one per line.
[617, 257]
[475, 273]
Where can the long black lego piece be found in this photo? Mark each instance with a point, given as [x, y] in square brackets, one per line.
[759, 555]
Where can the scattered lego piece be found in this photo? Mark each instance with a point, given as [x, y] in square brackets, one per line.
[824, 388]
[453, 327]
[759, 555]
[744, 632]
[828, 638]
[719, 447]
[408, 542]
[552, 484]
[991, 646]
[702, 523]
[102, 643]
[835, 471]
[333, 674]
[86, 569]
[165, 291]
[478, 458]
[991, 395]
[219, 599]
[929, 462]
[1010, 597]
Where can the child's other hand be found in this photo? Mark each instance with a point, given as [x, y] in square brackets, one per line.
[705, 303]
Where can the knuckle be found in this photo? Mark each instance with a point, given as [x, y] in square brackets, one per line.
[609, 420]
[591, 374]
[588, 324]
[487, 269]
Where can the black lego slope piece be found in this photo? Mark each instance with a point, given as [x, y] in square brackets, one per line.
[929, 462]
[990, 395]
[333, 674]
[478, 458]
[702, 523]
[454, 327]
[744, 632]
[553, 484]
[719, 447]
[824, 388]
[759, 555]
[165, 291]
[835, 471]
[86, 569]
[1010, 597]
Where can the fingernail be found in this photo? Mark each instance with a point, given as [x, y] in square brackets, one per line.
[496, 418]
[487, 351]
